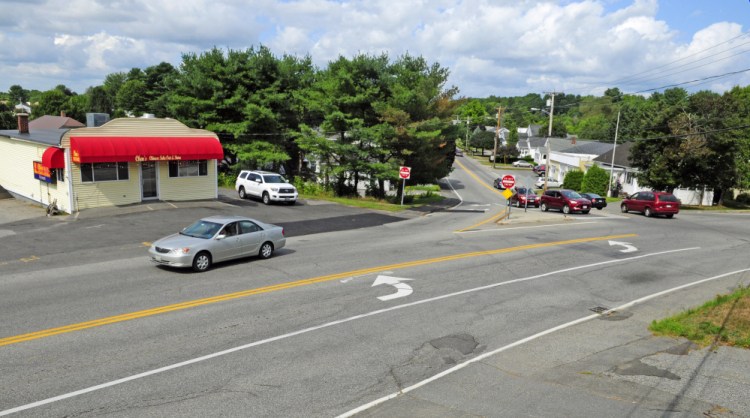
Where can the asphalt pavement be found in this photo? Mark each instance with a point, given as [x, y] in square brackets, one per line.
[608, 361]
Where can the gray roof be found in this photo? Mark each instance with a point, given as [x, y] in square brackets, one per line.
[589, 147]
[50, 137]
[622, 153]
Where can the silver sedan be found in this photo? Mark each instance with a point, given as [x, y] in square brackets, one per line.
[217, 238]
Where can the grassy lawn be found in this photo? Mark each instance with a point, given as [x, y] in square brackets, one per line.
[724, 320]
[372, 203]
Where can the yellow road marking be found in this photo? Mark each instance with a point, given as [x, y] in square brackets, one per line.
[28, 259]
[495, 218]
[281, 286]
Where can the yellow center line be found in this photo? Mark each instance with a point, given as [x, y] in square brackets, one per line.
[288, 285]
[474, 176]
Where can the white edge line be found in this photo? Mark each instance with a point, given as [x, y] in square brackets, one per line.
[527, 339]
[342, 321]
[461, 199]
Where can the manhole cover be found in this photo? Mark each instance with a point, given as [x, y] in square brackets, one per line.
[599, 309]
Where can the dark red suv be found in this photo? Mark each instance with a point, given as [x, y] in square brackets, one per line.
[524, 197]
[651, 203]
[565, 200]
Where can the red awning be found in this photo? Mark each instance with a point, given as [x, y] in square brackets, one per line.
[53, 157]
[103, 149]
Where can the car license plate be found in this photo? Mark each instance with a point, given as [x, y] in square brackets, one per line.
[669, 206]
[585, 207]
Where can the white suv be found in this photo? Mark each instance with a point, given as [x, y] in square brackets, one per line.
[270, 187]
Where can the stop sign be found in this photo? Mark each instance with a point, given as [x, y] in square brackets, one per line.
[404, 172]
[508, 181]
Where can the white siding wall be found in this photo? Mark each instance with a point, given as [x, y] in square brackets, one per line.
[17, 173]
[187, 188]
[106, 193]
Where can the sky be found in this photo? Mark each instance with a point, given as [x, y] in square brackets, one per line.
[491, 47]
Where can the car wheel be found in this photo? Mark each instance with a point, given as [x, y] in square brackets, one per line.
[670, 216]
[585, 212]
[647, 212]
[623, 209]
[266, 198]
[518, 203]
[202, 261]
[266, 250]
[544, 207]
[599, 208]
[243, 195]
[566, 209]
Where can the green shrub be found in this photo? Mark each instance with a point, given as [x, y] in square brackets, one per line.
[310, 188]
[573, 180]
[595, 180]
[743, 198]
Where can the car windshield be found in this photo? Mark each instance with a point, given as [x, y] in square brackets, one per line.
[523, 190]
[592, 195]
[274, 178]
[570, 194]
[202, 229]
[667, 198]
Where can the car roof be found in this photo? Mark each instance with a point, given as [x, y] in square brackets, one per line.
[259, 172]
[223, 219]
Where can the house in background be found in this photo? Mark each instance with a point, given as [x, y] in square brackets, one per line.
[625, 175]
[54, 122]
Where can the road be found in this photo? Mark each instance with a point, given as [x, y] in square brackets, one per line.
[90, 327]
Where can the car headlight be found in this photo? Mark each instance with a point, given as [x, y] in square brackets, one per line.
[178, 251]
[274, 189]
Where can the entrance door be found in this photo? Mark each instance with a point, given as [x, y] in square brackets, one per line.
[148, 181]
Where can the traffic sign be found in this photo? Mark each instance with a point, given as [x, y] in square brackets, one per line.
[507, 194]
[508, 181]
[404, 172]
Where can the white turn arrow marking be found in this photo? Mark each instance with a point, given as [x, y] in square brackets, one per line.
[403, 289]
[628, 247]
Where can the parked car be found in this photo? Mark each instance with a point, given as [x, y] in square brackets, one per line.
[596, 200]
[498, 183]
[522, 163]
[540, 169]
[217, 238]
[459, 152]
[524, 197]
[567, 201]
[268, 186]
[550, 183]
[651, 204]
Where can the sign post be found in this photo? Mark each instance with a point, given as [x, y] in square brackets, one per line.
[404, 173]
[508, 182]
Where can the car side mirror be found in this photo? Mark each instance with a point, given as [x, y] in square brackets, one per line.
[220, 237]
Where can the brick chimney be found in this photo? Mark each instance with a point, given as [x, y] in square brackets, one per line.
[62, 113]
[573, 139]
[23, 123]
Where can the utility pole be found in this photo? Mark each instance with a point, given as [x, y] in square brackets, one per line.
[612, 164]
[549, 134]
[500, 111]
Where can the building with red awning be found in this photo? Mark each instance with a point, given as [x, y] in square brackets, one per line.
[123, 161]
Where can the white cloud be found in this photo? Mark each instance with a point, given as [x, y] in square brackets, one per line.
[500, 47]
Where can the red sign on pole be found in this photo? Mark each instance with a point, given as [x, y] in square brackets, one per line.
[404, 172]
[508, 181]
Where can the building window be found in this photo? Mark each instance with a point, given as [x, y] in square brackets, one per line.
[60, 174]
[188, 168]
[91, 172]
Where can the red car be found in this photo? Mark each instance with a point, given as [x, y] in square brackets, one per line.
[565, 200]
[524, 197]
[651, 204]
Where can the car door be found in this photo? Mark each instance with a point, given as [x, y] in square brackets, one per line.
[555, 199]
[251, 236]
[227, 247]
[254, 184]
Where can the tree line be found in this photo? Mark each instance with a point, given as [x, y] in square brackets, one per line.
[360, 118]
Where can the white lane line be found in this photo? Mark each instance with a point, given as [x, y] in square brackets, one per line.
[319, 327]
[525, 340]
[461, 199]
